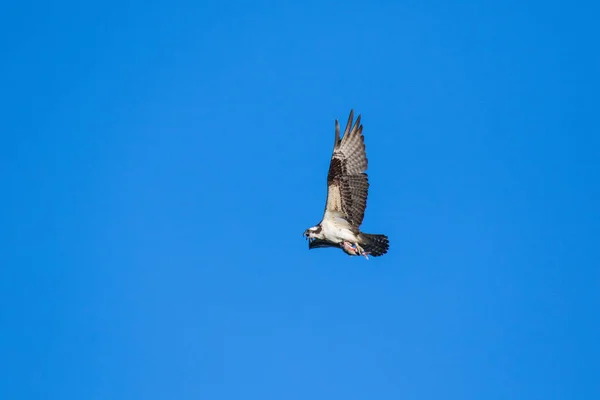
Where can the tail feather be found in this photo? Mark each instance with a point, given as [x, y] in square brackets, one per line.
[376, 245]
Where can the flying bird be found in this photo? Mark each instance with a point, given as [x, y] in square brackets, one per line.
[347, 190]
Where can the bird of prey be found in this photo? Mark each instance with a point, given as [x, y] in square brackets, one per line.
[347, 189]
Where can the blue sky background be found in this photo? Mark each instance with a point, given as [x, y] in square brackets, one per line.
[160, 161]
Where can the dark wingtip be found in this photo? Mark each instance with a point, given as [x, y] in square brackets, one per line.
[349, 123]
[357, 124]
[337, 134]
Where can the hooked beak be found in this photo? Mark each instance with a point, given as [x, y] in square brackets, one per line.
[307, 236]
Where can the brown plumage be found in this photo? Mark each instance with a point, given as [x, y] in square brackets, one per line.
[347, 173]
[347, 191]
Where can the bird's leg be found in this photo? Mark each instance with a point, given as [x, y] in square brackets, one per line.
[348, 248]
[361, 251]
[354, 249]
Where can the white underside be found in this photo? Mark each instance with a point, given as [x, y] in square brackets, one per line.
[336, 229]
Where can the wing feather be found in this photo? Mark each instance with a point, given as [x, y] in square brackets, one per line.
[347, 181]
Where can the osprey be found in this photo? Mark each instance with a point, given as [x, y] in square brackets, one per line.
[347, 189]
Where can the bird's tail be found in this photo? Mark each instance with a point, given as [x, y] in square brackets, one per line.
[376, 245]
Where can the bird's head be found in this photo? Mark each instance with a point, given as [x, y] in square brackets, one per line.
[313, 233]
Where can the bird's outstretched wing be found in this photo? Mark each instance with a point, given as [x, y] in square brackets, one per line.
[320, 243]
[347, 182]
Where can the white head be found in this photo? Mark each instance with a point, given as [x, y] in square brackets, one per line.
[314, 233]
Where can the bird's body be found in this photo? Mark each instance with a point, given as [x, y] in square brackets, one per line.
[336, 229]
[347, 190]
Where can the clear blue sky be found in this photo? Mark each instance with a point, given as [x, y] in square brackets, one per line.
[160, 161]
